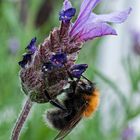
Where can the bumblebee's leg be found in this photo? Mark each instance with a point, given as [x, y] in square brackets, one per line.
[55, 102]
[88, 88]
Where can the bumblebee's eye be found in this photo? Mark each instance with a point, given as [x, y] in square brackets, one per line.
[88, 89]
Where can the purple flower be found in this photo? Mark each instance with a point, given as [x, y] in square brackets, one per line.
[25, 60]
[67, 12]
[136, 42]
[58, 59]
[66, 5]
[67, 15]
[78, 69]
[13, 44]
[31, 47]
[128, 134]
[88, 25]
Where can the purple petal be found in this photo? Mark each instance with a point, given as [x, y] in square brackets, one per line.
[78, 69]
[67, 15]
[25, 60]
[116, 17]
[58, 59]
[91, 31]
[13, 45]
[128, 134]
[31, 47]
[85, 11]
[67, 5]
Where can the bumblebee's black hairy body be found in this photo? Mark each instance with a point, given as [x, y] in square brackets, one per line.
[60, 118]
[73, 102]
[82, 100]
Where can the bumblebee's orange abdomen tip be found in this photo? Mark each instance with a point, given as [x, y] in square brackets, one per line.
[93, 102]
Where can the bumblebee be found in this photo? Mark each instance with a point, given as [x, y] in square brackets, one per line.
[82, 100]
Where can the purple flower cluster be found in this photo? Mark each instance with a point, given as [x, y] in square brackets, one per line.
[136, 42]
[48, 66]
[128, 134]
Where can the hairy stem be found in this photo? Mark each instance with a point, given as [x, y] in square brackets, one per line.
[21, 120]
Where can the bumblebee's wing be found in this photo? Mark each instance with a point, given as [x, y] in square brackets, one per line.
[72, 123]
[63, 133]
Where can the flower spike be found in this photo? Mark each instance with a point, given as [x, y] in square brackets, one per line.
[47, 68]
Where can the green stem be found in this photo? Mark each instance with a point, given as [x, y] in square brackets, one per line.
[21, 120]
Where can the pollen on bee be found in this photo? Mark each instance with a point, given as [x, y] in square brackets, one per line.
[93, 102]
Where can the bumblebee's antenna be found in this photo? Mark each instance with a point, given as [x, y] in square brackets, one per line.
[87, 79]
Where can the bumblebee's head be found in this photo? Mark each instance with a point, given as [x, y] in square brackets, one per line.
[86, 86]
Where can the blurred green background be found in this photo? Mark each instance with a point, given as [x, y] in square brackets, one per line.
[118, 114]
